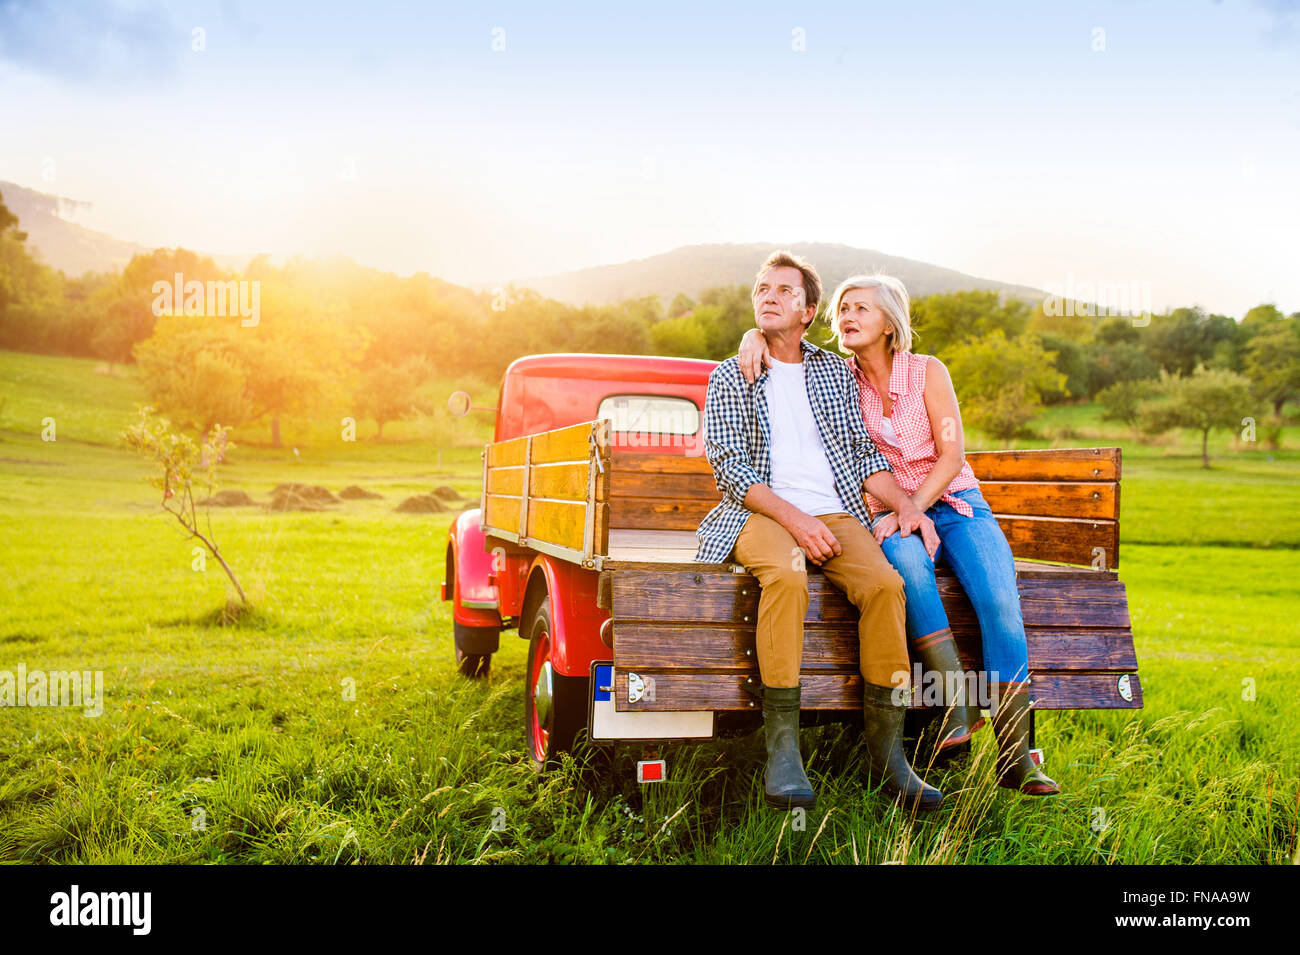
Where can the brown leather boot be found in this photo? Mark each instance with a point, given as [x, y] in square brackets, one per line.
[937, 653]
[1016, 768]
[886, 763]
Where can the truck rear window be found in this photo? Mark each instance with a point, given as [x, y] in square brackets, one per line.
[650, 414]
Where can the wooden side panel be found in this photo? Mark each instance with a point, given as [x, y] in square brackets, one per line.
[669, 485]
[660, 491]
[557, 522]
[1073, 499]
[633, 462]
[1062, 539]
[502, 513]
[566, 482]
[1052, 464]
[551, 490]
[565, 444]
[506, 453]
[644, 648]
[507, 481]
[658, 513]
[703, 597]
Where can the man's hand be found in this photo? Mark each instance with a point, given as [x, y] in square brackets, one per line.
[888, 524]
[911, 518]
[753, 355]
[814, 537]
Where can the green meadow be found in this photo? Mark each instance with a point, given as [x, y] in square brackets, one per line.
[330, 725]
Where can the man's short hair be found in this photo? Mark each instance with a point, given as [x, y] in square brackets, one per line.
[812, 283]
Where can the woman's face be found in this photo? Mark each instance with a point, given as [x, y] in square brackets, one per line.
[860, 322]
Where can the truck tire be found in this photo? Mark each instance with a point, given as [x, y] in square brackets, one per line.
[474, 645]
[555, 706]
[476, 666]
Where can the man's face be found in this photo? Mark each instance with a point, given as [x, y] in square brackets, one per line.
[779, 303]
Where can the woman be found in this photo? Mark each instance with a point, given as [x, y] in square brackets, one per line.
[910, 409]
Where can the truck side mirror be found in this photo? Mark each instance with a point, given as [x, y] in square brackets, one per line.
[459, 403]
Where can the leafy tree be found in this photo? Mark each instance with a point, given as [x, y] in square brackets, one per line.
[180, 464]
[943, 322]
[1117, 331]
[681, 304]
[124, 322]
[1000, 381]
[1273, 363]
[191, 368]
[391, 392]
[1073, 361]
[1209, 398]
[9, 223]
[1261, 318]
[1119, 362]
[29, 290]
[1123, 400]
[686, 336]
[1187, 337]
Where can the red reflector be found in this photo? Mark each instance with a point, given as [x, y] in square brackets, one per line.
[1037, 756]
[442, 592]
[651, 770]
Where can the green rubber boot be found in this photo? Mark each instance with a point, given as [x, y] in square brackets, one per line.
[958, 721]
[1016, 768]
[785, 785]
[886, 762]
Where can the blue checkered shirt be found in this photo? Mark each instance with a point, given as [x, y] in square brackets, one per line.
[738, 436]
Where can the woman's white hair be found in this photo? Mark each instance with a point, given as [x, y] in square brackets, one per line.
[891, 296]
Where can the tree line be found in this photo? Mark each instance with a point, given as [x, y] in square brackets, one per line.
[333, 334]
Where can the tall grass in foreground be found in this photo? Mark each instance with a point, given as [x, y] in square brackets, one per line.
[437, 774]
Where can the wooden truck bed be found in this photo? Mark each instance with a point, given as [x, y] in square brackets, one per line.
[631, 517]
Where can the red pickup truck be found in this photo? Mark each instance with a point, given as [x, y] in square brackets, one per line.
[584, 542]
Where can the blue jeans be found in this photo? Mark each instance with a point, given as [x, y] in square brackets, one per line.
[978, 553]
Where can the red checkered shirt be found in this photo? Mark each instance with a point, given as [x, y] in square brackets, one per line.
[912, 462]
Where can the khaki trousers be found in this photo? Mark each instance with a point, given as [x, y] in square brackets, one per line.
[861, 571]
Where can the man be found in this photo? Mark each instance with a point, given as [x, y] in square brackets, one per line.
[791, 457]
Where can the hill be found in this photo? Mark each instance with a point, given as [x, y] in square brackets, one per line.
[693, 268]
[71, 248]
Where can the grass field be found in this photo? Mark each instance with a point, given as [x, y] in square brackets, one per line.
[247, 743]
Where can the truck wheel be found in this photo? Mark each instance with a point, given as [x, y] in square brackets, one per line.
[476, 666]
[474, 645]
[555, 706]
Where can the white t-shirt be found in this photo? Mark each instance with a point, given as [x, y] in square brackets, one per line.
[801, 473]
[887, 432]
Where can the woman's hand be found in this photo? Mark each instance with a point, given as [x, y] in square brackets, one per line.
[916, 521]
[889, 524]
[753, 355]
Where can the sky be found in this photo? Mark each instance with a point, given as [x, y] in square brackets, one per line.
[1148, 145]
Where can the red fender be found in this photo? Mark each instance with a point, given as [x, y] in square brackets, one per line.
[476, 600]
[575, 618]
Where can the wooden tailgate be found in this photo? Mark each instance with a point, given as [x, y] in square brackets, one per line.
[691, 630]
